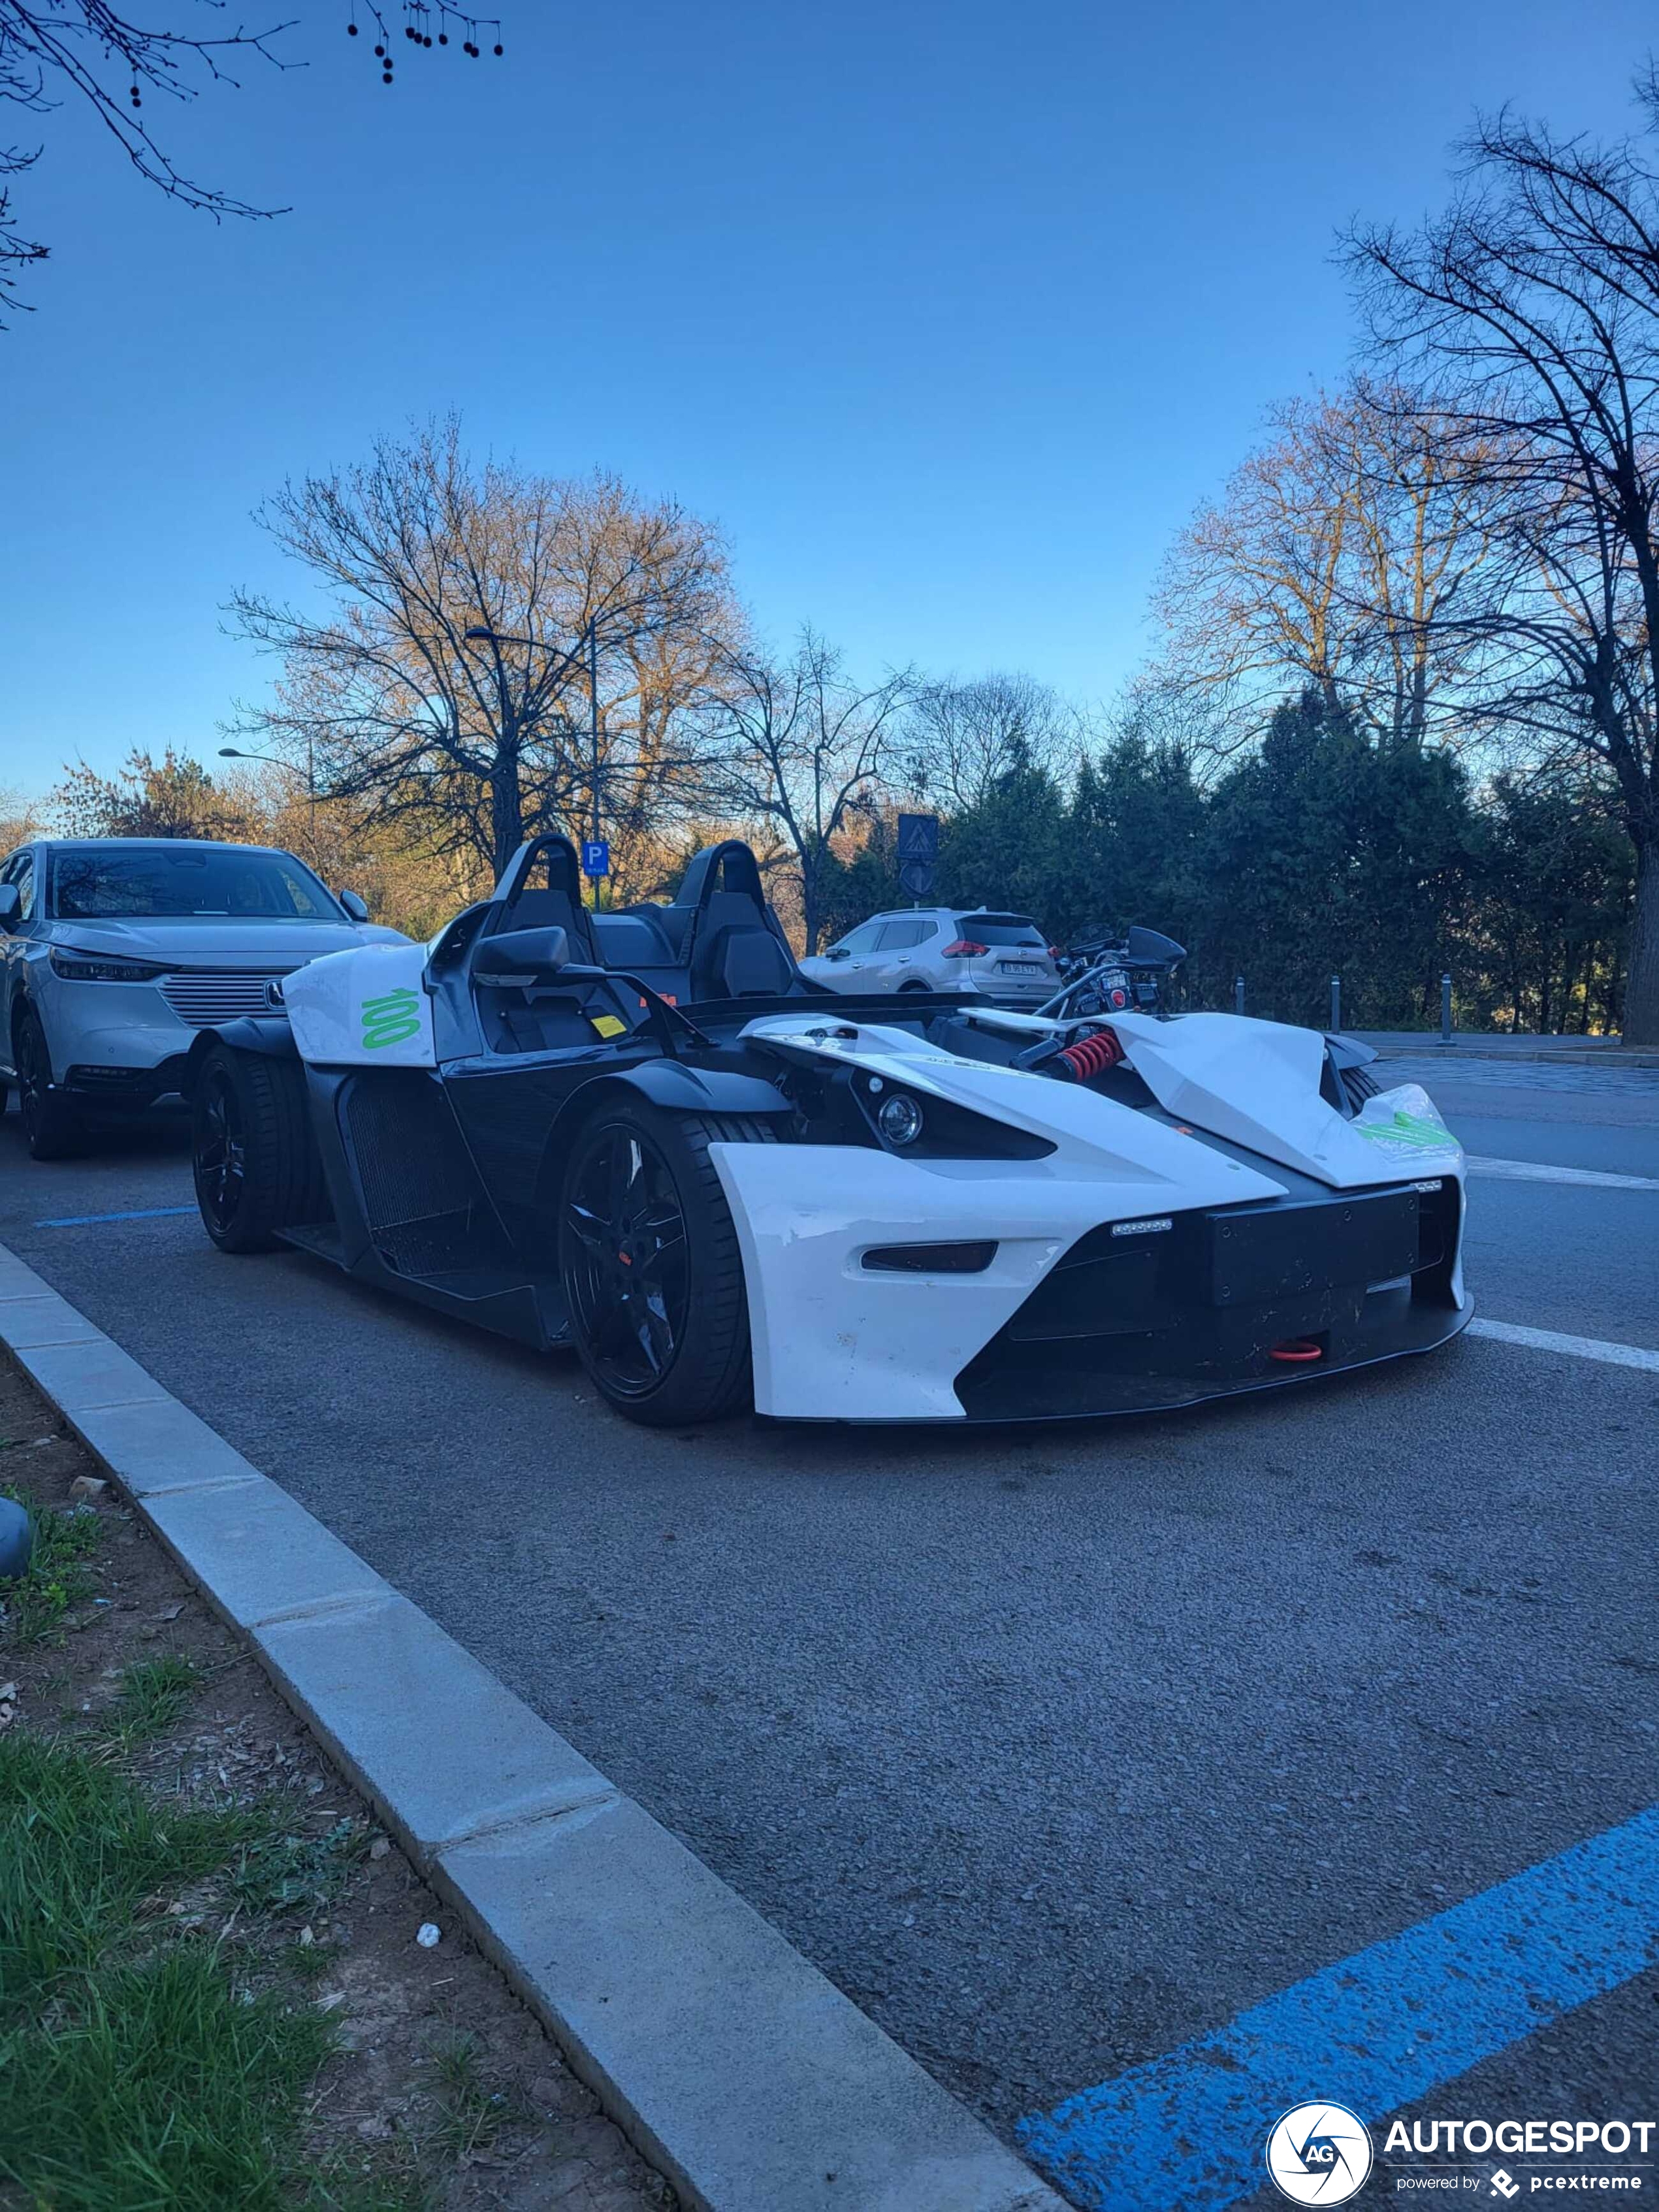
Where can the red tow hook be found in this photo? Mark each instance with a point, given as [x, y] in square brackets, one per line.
[1297, 1349]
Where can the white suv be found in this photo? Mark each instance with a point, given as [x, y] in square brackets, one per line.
[115, 951]
[941, 948]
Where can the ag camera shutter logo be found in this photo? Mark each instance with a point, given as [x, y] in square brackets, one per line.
[1320, 2154]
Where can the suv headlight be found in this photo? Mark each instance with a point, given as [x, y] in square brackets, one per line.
[78, 966]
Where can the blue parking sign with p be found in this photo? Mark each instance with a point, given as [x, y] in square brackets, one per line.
[596, 857]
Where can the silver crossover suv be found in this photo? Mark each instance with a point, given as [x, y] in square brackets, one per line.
[118, 950]
[1004, 955]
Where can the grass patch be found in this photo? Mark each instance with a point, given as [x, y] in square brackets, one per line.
[472, 2114]
[154, 2084]
[137, 2069]
[153, 1695]
[278, 1873]
[82, 1848]
[59, 1576]
[312, 1962]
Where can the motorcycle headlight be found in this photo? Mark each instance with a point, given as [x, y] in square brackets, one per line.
[77, 967]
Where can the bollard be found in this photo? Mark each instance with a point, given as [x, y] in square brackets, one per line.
[1336, 1002]
[1238, 995]
[1445, 1010]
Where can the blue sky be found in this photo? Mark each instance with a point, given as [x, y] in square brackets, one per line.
[949, 314]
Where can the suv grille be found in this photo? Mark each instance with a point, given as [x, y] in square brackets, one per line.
[204, 997]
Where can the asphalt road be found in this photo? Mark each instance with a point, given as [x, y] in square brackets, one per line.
[1057, 1748]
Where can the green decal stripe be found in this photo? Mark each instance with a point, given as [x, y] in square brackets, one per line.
[1404, 1130]
[392, 1018]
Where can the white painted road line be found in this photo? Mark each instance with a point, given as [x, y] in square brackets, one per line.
[1534, 1171]
[1577, 1347]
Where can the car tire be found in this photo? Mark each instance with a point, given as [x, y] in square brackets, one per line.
[252, 1154]
[53, 1128]
[669, 1343]
[903, 987]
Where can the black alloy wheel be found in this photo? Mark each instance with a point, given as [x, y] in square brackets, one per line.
[252, 1154]
[629, 1271]
[220, 1150]
[649, 1260]
[50, 1124]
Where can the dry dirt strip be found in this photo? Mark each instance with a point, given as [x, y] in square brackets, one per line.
[734, 2066]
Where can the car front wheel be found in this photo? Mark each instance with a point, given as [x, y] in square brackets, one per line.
[50, 1124]
[252, 1154]
[649, 1259]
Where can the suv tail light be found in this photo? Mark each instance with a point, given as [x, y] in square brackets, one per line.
[965, 948]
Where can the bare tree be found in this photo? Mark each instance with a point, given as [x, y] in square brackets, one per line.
[1338, 544]
[172, 797]
[89, 49]
[796, 749]
[1531, 307]
[958, 737]
[486, 741]
[20, 818]
[93, 52]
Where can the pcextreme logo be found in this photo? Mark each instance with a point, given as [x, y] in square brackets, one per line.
[393, 1019]
[1319, 2153]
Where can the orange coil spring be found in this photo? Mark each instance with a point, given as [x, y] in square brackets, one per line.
[1092, 1055]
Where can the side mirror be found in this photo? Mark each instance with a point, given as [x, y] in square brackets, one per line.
[355, 905]
[11, 900]
[521, 956]
[838, 952]
[1147, 948]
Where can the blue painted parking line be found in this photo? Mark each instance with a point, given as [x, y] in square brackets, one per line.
[1189, 2132]
[89, 1220]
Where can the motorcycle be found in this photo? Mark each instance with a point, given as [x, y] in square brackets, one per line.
[1105, 976]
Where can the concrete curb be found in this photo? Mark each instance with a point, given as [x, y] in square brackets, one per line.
[737, 2069]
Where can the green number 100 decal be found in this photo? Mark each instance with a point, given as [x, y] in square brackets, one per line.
[391, 1019]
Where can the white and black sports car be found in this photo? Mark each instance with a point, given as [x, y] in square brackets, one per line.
[645, 1134]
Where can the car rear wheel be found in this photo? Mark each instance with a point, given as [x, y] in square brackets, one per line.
[54, 1130]
[903, 987]
[252, 1154]
[652, 1273]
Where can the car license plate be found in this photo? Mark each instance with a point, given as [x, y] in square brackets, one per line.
[1017, 968]
[1275, 1250]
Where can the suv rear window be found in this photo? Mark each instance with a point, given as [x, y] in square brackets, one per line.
[1001, 929]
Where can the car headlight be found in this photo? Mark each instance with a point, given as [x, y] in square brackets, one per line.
[77, 967]
[900, 1119]
[935, 1129]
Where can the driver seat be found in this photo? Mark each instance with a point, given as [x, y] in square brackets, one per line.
[539, 1017]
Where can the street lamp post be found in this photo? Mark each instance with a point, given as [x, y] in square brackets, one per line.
[481, 634]
[233, 752]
